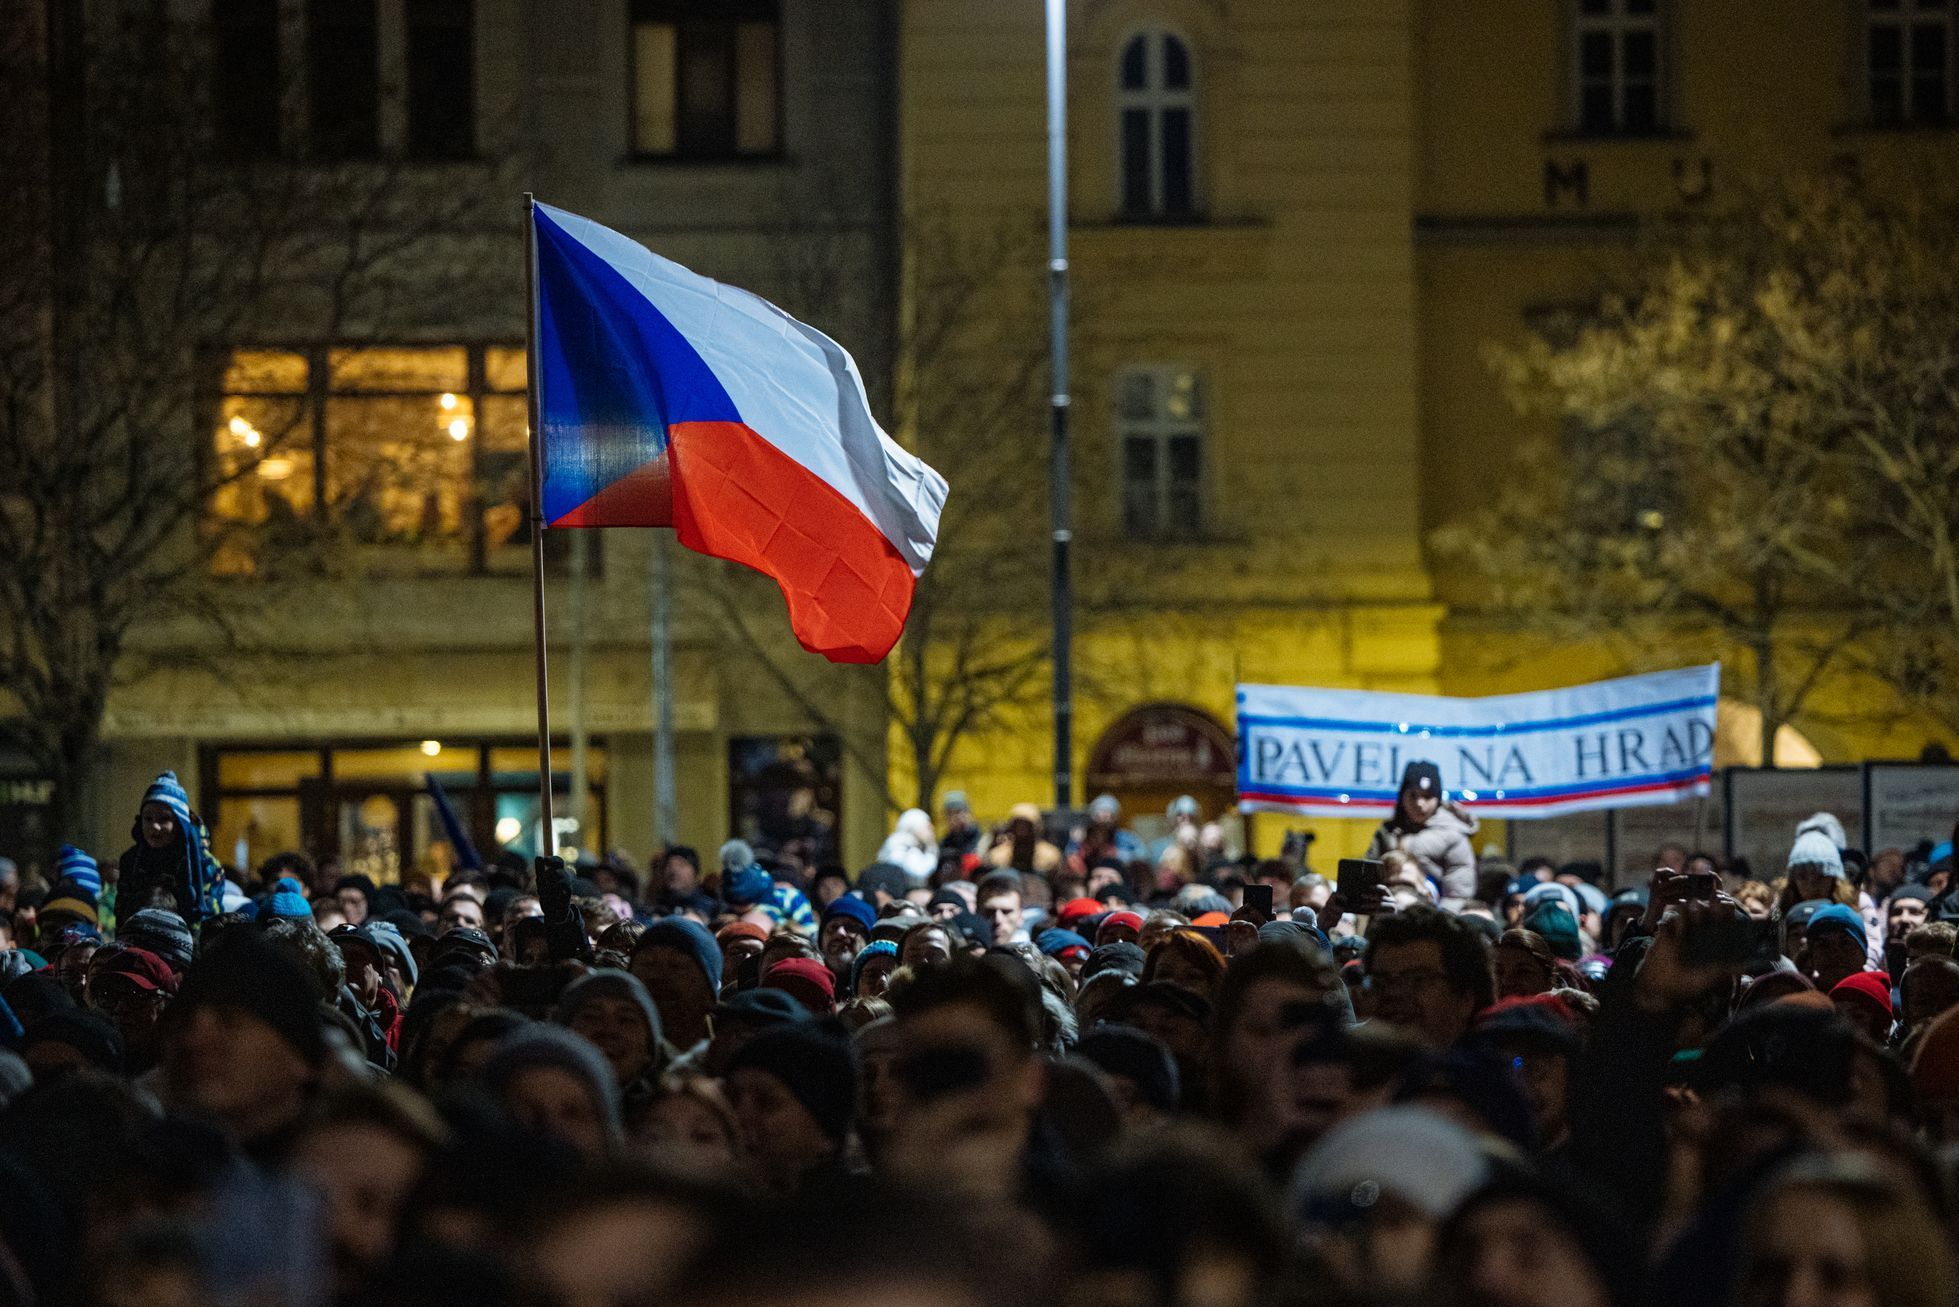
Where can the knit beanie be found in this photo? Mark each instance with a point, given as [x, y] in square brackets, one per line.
[559, 1049]
[815, 1063]
[1839, 916]
[1121, 956]
[77, 869]
[91, 1034]
[169, 791]
[686, 936]
[1827, 825]
[1869, 987]
[1555, 922]
[1064, 944]
[69, 906]
[1814, 849]
[163, 933]
[746, 887]
[1138, 1056]
[388, 938]
[849, 905]
[809, 982]
[248, 973]
[286, 903]
[876, 949]
[610, 982]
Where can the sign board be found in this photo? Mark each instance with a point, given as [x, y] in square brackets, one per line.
[1905, 802]
[1163, 746]
[1765, 805]
[1613, 744]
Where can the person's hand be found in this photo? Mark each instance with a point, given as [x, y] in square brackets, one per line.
[553, 888]
[1667, 888]
[1379, 904]
[1667, 981]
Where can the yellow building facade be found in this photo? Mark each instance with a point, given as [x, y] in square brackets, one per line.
[1316, 218]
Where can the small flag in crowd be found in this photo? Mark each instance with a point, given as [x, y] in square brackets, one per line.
[668, 399]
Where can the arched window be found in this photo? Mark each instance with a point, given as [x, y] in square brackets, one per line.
[1156, 109]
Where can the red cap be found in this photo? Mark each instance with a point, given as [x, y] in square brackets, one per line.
[1872, 987]
[807, 981]
[1211, 919]
[741, 930]
[141, 968]
[1133, 920]
[1076, 909]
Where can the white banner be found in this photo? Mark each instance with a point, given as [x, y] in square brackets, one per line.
[1614, 744]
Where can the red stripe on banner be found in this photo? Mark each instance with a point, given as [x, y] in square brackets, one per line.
[643, 497]
[1609, 792]
[1491, 806]
[736, 496]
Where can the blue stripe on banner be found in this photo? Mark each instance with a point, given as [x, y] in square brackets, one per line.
[1477, 732]
[1491, 796]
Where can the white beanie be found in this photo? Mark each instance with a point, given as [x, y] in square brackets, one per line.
[1813, 849]
[1826, 824]
[1411, 1153]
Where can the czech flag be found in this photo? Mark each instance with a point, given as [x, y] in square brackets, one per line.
[667, 399]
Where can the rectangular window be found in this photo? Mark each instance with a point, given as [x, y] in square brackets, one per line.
[245, 77]
[706, 78]
[441, 79]
[1160, 416]
[384, 446]
[343, 78]
[1908, 61]
[1617, 65]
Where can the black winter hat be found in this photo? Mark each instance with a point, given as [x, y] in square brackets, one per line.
[1138, 1056]
[93, 1036]
[1122, 956]
[248, 973]
[815, 1062]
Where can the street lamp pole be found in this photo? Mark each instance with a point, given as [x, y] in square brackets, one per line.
[1060, 511]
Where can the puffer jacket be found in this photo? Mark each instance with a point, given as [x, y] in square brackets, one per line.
[1442, 847]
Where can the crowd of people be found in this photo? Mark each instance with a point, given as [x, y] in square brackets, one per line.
[1025, 1064]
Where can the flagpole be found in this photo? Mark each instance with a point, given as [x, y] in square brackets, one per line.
[665, 819]
[548, 840]
[1061, 586]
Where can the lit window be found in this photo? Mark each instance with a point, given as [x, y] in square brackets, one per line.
[1908, 59]
[705, 78]
[1156, 111]
[1160, 419]
[396, 445]
[1617, 82]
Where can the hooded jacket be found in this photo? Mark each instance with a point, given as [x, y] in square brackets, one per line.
[185, 866]
[1442, 847]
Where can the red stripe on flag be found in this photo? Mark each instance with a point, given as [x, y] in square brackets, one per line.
[643, 497]
[738, 497]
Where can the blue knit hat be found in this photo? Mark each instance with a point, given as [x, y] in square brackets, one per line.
[883, 948]
[747, 887]
[78, 869]
[1054, 943]
[1839, 917]
[688, 938]
[169, 791]
[286, 903]
[849, 905]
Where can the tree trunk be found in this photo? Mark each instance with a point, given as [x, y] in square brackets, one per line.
[1765, 700]
[71, 765]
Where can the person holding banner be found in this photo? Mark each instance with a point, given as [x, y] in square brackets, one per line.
[1432, 830]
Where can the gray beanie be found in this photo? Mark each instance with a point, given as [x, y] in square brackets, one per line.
[557, 1048]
